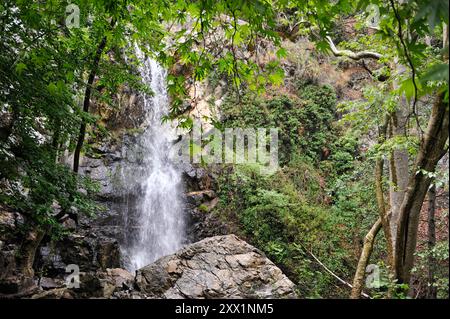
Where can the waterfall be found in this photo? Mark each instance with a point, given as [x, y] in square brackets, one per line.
[159, 222]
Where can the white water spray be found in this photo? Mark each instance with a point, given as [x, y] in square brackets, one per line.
[160, 226]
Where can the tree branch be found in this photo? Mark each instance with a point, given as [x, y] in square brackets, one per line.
[333, 274]
[364, 259]
[352, 55]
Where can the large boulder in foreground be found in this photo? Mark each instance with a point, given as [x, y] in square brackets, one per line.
[216, 267]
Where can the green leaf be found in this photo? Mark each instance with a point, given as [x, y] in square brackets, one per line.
[20, 67]
[435, 11]
[407, 87]
[52, 88]
[277, 76]
[438, 72]
[281, 53]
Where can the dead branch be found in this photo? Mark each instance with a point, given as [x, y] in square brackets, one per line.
[352, 55]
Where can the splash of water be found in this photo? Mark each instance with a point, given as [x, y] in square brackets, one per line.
[159, 228]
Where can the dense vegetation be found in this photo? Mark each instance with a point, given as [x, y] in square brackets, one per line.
[310, 205]
[361, 165]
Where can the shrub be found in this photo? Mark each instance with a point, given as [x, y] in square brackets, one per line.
[304, 123]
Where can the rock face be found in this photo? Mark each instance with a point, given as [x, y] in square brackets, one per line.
[100, 284]
[10, 280]
[216, 267]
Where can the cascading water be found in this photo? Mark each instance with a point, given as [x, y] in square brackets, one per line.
[159, 222]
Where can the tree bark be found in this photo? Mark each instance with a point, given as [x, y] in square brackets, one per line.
[86, 103]
[399, 162]
[383, 212]
[431, 151]
[352, 55]
[28, 251]
[364, 260]
[431, 288]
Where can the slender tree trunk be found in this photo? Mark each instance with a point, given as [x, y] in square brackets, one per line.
[87, 102]
[431, 151]
[382, 222]
[369, 240]
[383, 212]
[399, 161]
[431, 289]
[445, 37]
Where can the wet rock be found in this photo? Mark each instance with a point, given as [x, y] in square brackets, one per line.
[108, 253]
[89, 252]
[216, 267]
[75, 249]
[198, 197]
[196, 178]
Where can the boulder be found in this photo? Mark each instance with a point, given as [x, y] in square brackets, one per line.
[216, 267]
[120, 277]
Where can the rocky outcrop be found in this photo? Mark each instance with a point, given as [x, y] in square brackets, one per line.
[101, 284]
[94, 249]
[201, 201]
[89, 251]
[216, 267]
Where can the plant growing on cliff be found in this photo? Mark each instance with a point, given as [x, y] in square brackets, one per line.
[304, 122]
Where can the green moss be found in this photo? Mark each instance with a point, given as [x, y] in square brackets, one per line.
[203, 208]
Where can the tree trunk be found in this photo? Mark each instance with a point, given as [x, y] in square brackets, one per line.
[399, 162]
[364, 260]
[383, 212]
[431, 288]
[86, 103]
[431, 151]
[28, 251]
